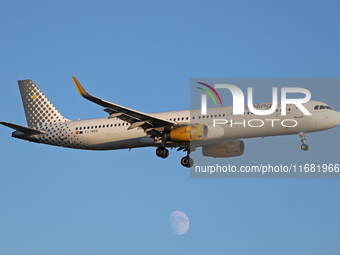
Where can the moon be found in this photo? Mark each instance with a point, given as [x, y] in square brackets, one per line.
[179, 222]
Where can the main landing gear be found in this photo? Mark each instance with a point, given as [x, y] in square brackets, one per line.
[186, 161]
[162, 152]
[304, 146]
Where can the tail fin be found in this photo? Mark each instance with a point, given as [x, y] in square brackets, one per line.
[38, 109]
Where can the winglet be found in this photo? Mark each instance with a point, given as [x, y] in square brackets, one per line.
[80, 88]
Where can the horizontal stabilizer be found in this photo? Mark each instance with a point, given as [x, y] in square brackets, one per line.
[22, 129]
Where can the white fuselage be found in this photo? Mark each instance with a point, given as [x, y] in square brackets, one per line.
[111, 134]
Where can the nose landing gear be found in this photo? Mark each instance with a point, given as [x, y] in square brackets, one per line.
[304, 146]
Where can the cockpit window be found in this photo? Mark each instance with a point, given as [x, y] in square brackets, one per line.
[322, 107]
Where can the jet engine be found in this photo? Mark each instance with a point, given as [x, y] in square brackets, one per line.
[192, 133]
[187, 133]
[224, 150]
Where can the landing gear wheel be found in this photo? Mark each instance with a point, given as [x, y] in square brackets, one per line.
[187, 161]
[162, 152]
[304, 147]
[191, 162]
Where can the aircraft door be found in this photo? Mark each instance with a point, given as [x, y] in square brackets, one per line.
[230, 116]
[297, 113]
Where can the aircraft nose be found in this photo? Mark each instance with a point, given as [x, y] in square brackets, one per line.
[337, 118]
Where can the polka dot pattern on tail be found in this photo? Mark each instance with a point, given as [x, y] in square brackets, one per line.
[38, 109]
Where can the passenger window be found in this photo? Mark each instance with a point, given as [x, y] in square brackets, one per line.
[95, 126]
[182, 118]
[116, 125]
[119, 124]
[92, 127]
[199, 117]
[219, 115]
[100, 126]
[187, 118]
[316, 107]
[76, 129]
[223, 115]
[80, 128]
[207, 116]
[322, 107]
[193, 117]
[88, 127]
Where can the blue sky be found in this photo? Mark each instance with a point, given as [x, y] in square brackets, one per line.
[142, 54]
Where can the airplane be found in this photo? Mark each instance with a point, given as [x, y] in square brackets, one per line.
[186, 130]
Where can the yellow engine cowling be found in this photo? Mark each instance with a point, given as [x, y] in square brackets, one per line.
[187, 133]
[224, 150]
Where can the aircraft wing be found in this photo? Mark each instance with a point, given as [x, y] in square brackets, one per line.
[136, 118]
[25, 130]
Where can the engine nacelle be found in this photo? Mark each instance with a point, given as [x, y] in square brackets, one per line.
[187, 133]
[214, 132]
[224, 150]
[192, 133]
